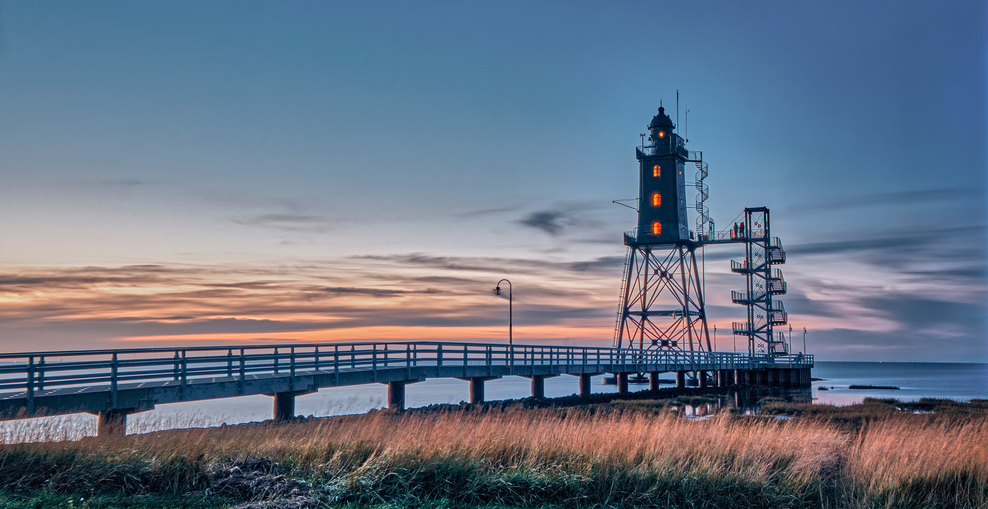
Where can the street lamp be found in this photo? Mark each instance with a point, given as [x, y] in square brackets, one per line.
[497, 291]
[804, 340]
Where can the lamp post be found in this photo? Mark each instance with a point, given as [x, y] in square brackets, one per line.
[497, 291]
[804, 340]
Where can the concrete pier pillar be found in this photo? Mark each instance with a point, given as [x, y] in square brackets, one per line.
[721, 378]
[538, 386]
[284, 406]
[701, 376]
[738, 377]
[584, 385]
[112, 423]
[653, 381]
[680, 379]
[622, 383]
[477, 390]
[396, 396]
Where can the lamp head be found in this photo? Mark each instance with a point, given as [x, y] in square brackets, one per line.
[497, 291]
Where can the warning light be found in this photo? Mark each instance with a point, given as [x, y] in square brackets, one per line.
[662, 134]
[656, 171]
[656, 228]
[656, 199]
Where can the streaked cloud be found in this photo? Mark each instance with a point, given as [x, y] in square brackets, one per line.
[284, 221]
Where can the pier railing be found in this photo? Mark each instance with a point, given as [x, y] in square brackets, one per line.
[41, 371]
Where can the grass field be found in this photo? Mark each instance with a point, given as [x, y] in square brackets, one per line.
[620, 454]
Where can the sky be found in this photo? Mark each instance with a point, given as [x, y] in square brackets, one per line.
[201, 173]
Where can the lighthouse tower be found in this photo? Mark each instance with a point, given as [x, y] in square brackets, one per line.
[662, 300]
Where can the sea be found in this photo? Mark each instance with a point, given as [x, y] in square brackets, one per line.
[831, 386]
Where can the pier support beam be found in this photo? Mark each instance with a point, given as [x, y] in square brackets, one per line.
[721, 378]
[585, 385]
[112, 423]
[538, 385]
[653, 381]
[622, 383]
[396, 396]
[701, 376]
[477, 390]
[284, 406]
[680, 379]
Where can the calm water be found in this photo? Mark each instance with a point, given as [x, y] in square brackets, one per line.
[916, 380]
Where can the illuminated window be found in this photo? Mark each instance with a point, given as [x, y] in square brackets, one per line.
[656, 228]
[656, 171]
[662, 134]
[656, 199]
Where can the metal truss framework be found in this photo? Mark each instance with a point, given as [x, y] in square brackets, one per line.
[762, 252]
[662, 299]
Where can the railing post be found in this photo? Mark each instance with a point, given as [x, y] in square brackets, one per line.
[336, 362]
[185, 373]
[276, 360]
[30, 385]
[315, 366]
[408, 360]
[439, 356]
[176, 362]
[415, 355]
[41, 373]
[353, 357]
[291, 369]
[464, 360]
[229, 362]
[385, 355]
[374, 361]
[243, 369]
[113, 381]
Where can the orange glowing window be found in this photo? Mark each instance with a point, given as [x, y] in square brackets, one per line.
[656, 228]
[662, 134]
[656, 199]
[656, 171]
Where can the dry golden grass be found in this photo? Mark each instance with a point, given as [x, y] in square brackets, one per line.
[600, 456]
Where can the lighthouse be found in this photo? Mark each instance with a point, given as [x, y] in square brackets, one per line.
[662, 295]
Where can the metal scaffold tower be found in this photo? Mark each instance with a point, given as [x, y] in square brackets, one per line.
[762, 252]
[662, 301]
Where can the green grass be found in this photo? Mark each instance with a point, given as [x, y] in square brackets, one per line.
[76, 501]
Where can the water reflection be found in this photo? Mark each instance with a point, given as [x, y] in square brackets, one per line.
[748, 400]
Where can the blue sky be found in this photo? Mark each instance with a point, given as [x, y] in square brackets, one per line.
[222, 171]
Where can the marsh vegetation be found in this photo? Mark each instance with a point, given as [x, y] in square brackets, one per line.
[643, 453]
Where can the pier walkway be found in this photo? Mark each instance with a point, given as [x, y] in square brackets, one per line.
[115, 383]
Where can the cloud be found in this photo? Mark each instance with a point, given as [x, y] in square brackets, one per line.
[549, 221]
[118, 183]
[289, 222]
[893, 198]
[485, 212]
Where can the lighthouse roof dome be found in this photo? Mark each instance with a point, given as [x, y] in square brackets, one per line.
[661, 120]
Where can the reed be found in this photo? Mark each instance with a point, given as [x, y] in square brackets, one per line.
[614, 455]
